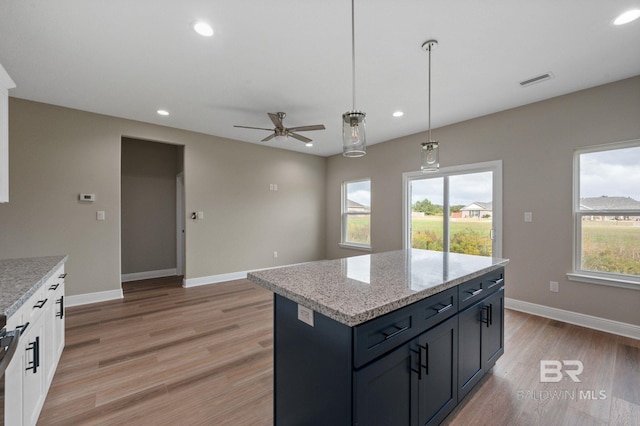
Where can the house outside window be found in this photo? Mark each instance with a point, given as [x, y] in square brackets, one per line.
[356, 214]
[606, 206]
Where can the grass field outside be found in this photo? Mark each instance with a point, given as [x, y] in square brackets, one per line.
[611, 246]
[607, 246]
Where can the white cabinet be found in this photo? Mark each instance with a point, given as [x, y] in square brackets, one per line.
[31, 371]
[5, 84]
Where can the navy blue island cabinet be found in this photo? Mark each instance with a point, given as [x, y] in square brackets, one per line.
[409, 366]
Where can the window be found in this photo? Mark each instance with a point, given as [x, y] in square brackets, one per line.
[457, 209]
[356, 214]
[606, 206]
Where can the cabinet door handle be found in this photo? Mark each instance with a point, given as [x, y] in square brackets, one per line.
[395, 333]
[419, 370]
[40, 304]
[35, 363]
[490, 313]
[474, 292]
[444, 308]
[487, 310]
[62, 276]
[60, 302]
[54, 286]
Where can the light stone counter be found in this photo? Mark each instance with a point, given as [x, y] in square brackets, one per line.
[357, 289]
[20, 278]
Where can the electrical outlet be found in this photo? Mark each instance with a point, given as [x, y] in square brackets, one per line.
[528, 216]
[275, 254]
[554, 286]
[305, 315]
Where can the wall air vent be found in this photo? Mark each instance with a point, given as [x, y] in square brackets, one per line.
[536, 79]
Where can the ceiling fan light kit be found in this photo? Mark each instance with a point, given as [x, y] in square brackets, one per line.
[429, 150]
[354, 141]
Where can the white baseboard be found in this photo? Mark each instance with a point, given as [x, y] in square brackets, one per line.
[148, 274]
[596, 323]
[214, 279]
[101, 296]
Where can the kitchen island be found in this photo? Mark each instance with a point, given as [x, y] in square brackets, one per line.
[396, 338]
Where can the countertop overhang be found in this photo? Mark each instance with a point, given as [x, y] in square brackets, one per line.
[20, 278]
[357, 289]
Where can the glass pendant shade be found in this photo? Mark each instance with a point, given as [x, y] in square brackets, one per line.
[430, 158]
[353, 134]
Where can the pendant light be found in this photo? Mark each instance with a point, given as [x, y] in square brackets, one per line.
[429, 151]
[354, 143]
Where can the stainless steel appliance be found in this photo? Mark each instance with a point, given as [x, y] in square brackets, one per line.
[8, 344]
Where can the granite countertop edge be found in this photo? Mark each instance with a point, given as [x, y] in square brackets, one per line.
[374, 312]
[17, 304]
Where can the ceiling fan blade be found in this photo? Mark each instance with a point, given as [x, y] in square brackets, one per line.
[307, 128]
[276, 120]
[299, 137]
[268, 138]
[257, 128]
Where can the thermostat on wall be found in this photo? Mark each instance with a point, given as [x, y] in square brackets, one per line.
[87, 197]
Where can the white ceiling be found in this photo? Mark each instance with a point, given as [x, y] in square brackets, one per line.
[129, 58]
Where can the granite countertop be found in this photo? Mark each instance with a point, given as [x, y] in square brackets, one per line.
[356, 289]
[20, 278]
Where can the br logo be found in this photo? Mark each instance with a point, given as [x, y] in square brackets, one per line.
[551, 370]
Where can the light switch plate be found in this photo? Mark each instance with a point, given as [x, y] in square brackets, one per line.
[528, 216]
[100, 215]
[305, 315]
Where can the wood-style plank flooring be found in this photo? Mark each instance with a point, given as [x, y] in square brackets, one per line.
[165, 355]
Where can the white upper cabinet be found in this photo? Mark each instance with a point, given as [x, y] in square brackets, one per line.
[5, 84]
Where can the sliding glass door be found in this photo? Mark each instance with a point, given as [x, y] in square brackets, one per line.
[457, 209]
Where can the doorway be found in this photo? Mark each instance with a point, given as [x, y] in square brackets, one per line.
[152, 209]
[457, 209]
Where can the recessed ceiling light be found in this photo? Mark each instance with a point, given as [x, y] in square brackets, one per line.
[203, 29]
[162, 112]
[398, 114]
[309, 144]
[626, 17]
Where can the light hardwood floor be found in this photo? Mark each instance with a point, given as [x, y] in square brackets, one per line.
[165, 355]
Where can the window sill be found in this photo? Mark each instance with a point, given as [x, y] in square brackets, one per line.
[355, 246]
[611, 282]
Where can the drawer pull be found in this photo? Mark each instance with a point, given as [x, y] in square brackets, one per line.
[54, 286]
[497, 281]
[475, 292]
[62, 276]
[22, 328]
[444, 308]
[395, 333]
[40, 304]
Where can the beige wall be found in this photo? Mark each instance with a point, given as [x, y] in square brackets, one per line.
[536, 143]
[148, 205]
[57, 153]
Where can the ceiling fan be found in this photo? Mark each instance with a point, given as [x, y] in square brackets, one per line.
[281, 131]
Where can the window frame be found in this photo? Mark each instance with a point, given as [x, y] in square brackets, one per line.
[344, 215]
[489, 166]
[583, 275]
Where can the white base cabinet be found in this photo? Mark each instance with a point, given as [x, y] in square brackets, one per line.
[30, 373]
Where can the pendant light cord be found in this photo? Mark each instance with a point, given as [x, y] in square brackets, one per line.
[353, 52]
[430, 93]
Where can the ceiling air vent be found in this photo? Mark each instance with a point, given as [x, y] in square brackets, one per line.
[537, 79]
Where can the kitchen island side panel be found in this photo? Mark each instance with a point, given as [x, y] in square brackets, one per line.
[312, 368]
